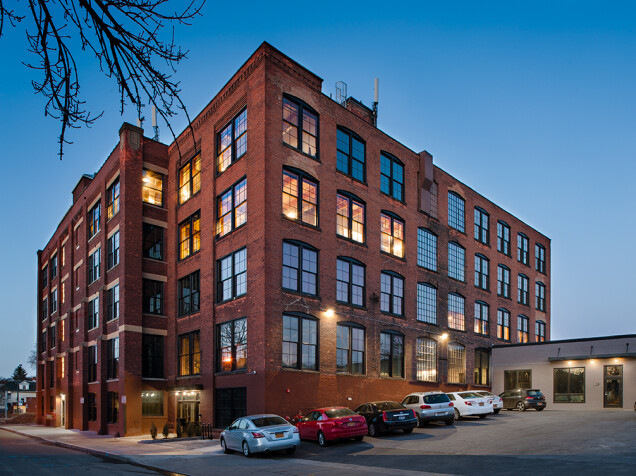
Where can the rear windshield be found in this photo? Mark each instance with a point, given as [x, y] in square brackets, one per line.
[269, 421]
[339, 412]
[485, 394]
[439, 398]
[535, 393]
[384, 406]
[469, 395]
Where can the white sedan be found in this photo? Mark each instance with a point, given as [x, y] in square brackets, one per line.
[260, 433]
[470, 404]
[497, 401]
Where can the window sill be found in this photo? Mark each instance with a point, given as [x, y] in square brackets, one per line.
[157, 379]
[457, 280]
[351, 178]
[189, 315]
[154, 260]
[483, 289]
[183, 260]
[305, 154]
[300, 222]
[185, 377]
[391, 255]
[298, 293]
[352, 306]
[158, 207]
[393, 198]
[221, 172]
[390, 314]
[112, 380]
[231, 300]
[307, 371]
[179, 205]
[112, 267]
[231, 372]
[387, 377]
[218, 238]
[352, 241]
[348, 374]
[108, 220]
[428, 269]
[93, 237]
[152, 314]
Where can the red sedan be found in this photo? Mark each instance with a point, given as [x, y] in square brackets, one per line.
[333, 423]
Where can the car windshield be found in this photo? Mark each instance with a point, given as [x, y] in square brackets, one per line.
[384, 406]
[469, 395]
[439, 398]
[269, 421]
[339, 412]
[485, 394]
[535, 393]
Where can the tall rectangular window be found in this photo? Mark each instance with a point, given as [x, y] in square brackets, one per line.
[151, 356]
[350, 282]
[112, 405]
[482, 272]
[391, 355]
[350, 349]
[456, 312]
[152, 297]
[92, 363]
[112, 309]
[189, 354]
[91, 405]
[112, 198]
[426, 360]
[539, 331]
[522, 329]
[232, 276]
[54, 301]
[391, 176]
[52, 337]
[482, 367]
[152, 188]
[350, 217]
[569, 385]
[503, 324]
[300, 342]
[426, 303]
[456, 261]
[94, 266]
[456, 212]
[539, 296]
[94, 215]
[522, 290]
[426, 249]
[190, 179]
[539, 258]
[351, 155]
[113, 249]
[456, 363]
[45, 309]
[482, 311]
[392, 234]
[53, 267]
[503, 281]
[152, 241]
[300, 127]
[232, 345]
[45, 276]
[503, 238]
[391, 293]
[300, 268]
[93, 313]
[190, 235]
[232, 141]
[232, 208]
[300, 197]
[188, 294]
[482, 226]
[522, 248]
[112, 358]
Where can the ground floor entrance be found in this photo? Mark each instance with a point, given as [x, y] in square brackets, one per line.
[613, 377]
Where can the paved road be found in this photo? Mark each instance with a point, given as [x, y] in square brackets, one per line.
[20, 455]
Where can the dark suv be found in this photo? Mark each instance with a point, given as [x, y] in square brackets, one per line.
[523, 398]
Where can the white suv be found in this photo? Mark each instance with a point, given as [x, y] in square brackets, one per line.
[430, 406]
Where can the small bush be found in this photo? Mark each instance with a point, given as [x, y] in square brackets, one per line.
[153, 431]
[191, 429]
[179, 430]
[166, 430]
[199, 429]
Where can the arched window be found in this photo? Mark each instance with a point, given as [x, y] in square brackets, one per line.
[456, 211]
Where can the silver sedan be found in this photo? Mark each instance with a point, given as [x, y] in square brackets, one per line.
[260, 433]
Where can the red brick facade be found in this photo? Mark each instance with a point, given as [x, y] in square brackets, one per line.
[258, 87]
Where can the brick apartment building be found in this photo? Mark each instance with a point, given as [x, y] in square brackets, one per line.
[282, 254]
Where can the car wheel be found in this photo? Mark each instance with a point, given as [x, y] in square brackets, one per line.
[458, 416]
[322, 441]
[540, 409]
[246, 450]
[449, 422]
[359, 438]
[224, 447]
[373, 430]
[290, 451]
[521, 407]
[408, 430]
[496, 412]
[482, 416]
[421, 423]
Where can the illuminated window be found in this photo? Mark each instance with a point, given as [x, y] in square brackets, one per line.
[232, 141]
[190, 235]
[426, 249]
[350, 348]
[112, 198]
[456, 363]
[391, 293]
[456, 261]
[539, 258]
[503, 281]
[112, 309]
[232, 345]
[456, 312]
[482, 272]
[94, 215]
[503, 324]
[300, 342]
[391, 176]
[351, 155]
[392, 234]
[522, 249]
[522, 290]
[303, 137]
[152, 188]
[300, 268]
[63, 297]
[481, 318]
[456, 211]
[152, 403]
[539, 330]
[232, 208]
[426, 360]
[539, 296]
[350, 282]
[482, 367]
[188, 294]
[189, 354]
[522, 329]
[350, 217]
[569, 385]
[190, 179]
[482, 226]
[232, 276]
[391, 354]
[300, 197]
[426, 303]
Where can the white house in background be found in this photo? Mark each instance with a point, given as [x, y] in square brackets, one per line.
[574, 374]
[11, 391]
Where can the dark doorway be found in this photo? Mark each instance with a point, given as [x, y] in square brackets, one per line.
[231, 403]
[613, 386]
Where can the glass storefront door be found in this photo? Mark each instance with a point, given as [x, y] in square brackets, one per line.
[188, 407]
[613, 386]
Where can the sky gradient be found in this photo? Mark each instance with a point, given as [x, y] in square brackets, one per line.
[533, 106]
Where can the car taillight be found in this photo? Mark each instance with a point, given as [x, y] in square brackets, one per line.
[256, 434]
[468, 402]
[384, 416]
[451, 404]
[424, 407]
[528, 398]
[295, 430]
[414, 414]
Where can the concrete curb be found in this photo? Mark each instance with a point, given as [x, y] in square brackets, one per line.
[94, 452]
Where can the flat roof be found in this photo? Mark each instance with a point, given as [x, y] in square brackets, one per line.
[582, 339]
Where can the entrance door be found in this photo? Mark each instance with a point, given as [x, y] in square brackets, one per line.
[188, 407]
[613, 386]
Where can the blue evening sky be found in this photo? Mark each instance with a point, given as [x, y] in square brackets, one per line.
[532, 104]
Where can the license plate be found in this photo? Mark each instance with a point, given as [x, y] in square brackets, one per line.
[440, 413]
[280, 435]
[351, 423]
[481, 404]
[401, 418]
[540, 403]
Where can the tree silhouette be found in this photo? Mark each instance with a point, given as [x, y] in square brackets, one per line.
[19, 374]
[124, 36]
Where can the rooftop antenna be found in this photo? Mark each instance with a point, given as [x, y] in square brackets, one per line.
[155, 128]
[341, 92]
[376, 95]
